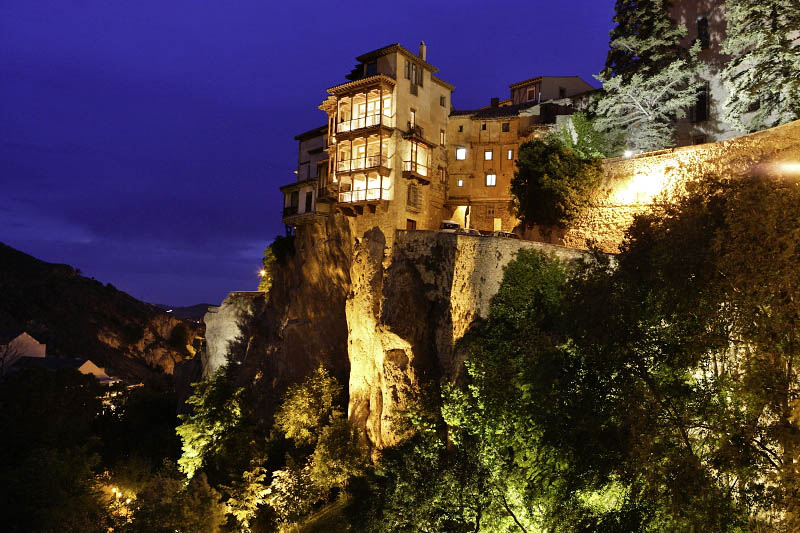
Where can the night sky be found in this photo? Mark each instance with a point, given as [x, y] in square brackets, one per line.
[144, 141]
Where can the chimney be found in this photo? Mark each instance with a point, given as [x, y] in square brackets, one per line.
[423, 51]
[495, 102]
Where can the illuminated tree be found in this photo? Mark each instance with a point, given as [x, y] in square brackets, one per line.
[763, 73]
[648, 80]
[216, 414]
[580, 135]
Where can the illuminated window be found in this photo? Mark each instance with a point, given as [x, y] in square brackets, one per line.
[487, 155]
[506, 126]
[510, 155]
[412, 118]
[441, 175]
[461, 153]
[460, 182]
[491, 180]
[441, 137]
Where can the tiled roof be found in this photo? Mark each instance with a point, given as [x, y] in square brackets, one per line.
[391, 48]
[495, 112]
[316, 132]
[360, 83]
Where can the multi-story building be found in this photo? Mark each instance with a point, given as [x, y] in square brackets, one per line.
[302, 201]
[386, 136]
[395, 155]
[483, 145]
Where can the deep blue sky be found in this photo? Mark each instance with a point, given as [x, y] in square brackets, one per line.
[143, 141]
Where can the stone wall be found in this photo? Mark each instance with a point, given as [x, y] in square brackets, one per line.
[224, 326]
[631, 185]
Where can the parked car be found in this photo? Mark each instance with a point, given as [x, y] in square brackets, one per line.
[473, 231]
[449, 226]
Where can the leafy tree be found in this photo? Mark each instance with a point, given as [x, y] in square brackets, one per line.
[208, 432]
[579, 135]
[247, 494]
[648, 80]
[553, 184]
[310, 406]
[168, 504]
[763, 72]
[339, 455]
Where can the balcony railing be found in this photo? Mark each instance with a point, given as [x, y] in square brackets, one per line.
[289, 210]
[417, 168]
[363, 195]
[365, 122]
[373, 161]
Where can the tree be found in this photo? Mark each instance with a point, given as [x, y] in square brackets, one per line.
[169, 504]
[649, 78]
[247, 494]
[645, 39]
[763, 73]
[553, 184]
[310, 406]
[207, 432]
[580, 135]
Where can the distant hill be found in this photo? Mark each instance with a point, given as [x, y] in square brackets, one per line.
[81, 317]
[190, 312]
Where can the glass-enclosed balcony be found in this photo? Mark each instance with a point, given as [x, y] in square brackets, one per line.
[364, 110]
[365, 188]
[364, 153]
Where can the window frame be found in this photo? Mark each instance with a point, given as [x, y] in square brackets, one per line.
[494, 179]
[488, 155]
[461, 150]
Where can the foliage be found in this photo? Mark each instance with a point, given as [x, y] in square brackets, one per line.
[763, 72]
[168, 504]
[247, 494]
[291, 493]
[283, 248]
[267, 274]
[553, 184]
[648, 80]
[338, 456]
[309, 406]
[216, 414]
[421, 485]
[685, 353]
[580, 135]
[645, 39]
[47, 452]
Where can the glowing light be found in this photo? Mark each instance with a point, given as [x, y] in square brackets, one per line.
[127, 500]
[789, 167]
[114, 490]
[262, 272]
[628, 154]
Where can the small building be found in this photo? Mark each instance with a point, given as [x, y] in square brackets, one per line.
[483, 146]
[17, 345]
[307, 197]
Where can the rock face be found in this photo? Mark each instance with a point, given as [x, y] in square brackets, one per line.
[384, 320]
[225, 325]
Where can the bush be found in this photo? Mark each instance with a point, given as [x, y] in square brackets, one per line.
[553, 184]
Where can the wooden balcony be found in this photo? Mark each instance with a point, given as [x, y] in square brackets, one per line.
[416, 171]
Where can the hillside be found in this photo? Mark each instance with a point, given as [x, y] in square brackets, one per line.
[81, 317]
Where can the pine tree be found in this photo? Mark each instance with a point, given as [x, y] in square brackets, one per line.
[763, 74]
[649, 78]
[645, 40]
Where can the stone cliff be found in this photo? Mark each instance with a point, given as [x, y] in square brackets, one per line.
[384, 320]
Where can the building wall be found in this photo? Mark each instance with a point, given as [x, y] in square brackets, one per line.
[26, 346]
